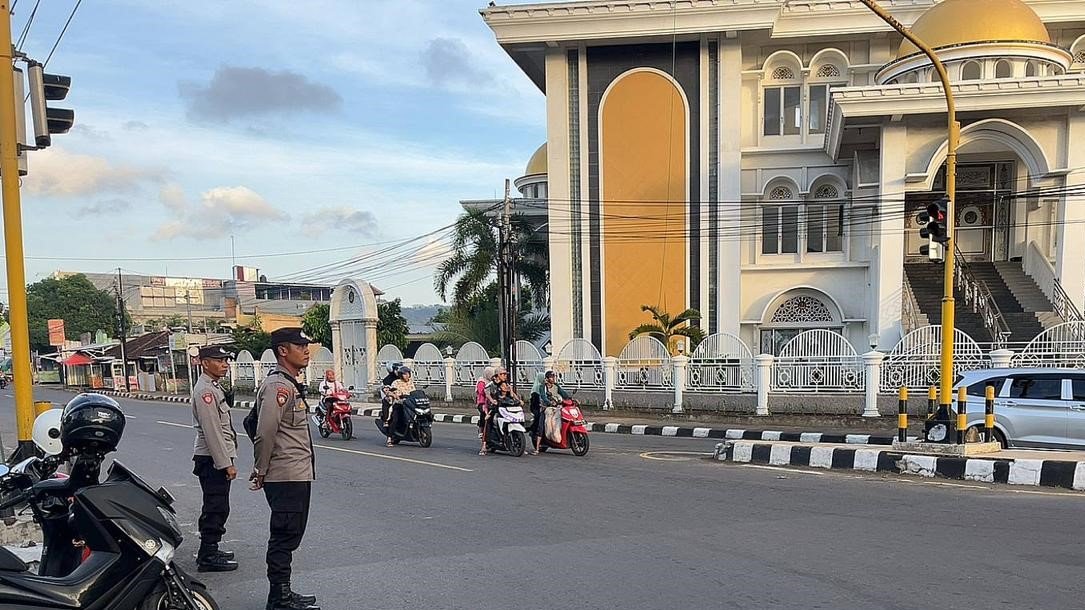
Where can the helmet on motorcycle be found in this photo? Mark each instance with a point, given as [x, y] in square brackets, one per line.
[46, 433]
[91, 422]
[393, 367]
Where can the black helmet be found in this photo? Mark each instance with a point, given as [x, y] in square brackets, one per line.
[91, 422]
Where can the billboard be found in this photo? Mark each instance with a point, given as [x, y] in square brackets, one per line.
[56, 332]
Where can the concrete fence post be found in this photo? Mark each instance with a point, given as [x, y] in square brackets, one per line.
[450, 377]
[681, 366]
[1001, 359]
[610, 378]
[764, 382]
[872, 375]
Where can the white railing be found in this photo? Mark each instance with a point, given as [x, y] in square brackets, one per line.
[428, 366]
[243, 372]
[721, 363]
[319, 362]
[471, 360]
[579, 365]
[817, 361]
[529, 363]
[1039, 268]
[644, 364]
[1058, 346]
[387, 355]
[916, 361]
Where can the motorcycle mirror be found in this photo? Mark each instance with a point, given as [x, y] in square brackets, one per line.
[351, 388]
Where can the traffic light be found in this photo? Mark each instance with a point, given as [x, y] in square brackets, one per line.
[48, 87]
[934, 229]
[20, 119]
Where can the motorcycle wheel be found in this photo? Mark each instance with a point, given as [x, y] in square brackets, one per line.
[425, 437]
[578, 442]
[516, 443]
[347, 430]
[324, 430]
[160, 599]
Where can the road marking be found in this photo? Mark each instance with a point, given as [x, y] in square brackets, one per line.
[169, 423]
[673, 456]
[396, 458]
[762, 467]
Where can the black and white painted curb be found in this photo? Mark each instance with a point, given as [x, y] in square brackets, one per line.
[1045, 473]
[730, 434]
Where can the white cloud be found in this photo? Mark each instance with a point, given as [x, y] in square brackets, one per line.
[221, 210]
[56, 172]
[360, 223]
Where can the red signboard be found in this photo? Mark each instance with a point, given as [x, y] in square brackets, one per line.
[56, 332]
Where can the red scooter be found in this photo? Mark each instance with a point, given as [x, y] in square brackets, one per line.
[574, 432]
[336, 420]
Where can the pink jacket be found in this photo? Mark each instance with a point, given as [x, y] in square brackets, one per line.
[480, 392]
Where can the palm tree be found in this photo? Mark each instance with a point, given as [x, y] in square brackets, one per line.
[478, 321]
[473, 265]
[669, 329]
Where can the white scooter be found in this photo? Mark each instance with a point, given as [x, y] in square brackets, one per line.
[507, 432]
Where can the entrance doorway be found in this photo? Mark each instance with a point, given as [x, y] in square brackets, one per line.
[983, 209]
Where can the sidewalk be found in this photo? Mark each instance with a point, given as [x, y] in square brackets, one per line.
[1061, 469]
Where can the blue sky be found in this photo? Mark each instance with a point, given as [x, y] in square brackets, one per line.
[290, 125]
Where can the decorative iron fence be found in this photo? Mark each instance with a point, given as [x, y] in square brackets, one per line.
[721, 363]
[429, 365]
[644, 364]
[818, 361]
[579, 365]
[916, 361]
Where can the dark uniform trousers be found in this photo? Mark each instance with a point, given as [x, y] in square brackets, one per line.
[289, 503]
[216, 502]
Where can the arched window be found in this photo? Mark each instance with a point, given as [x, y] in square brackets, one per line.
[828, 71]
[1079, 57]
[971, 70]
[1031, 69]
[1003, 69]
[797, 311]
[825, 76]
[825, 220]
[783, 102]
[780, 222]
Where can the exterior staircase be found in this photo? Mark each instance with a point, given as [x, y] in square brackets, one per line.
[1024, 307]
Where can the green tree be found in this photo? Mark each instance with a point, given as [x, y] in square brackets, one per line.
[392, 327]
[252, 338]
[83, 307]
[473, 265]
[316, 324]
[478, 321]
[670, 330]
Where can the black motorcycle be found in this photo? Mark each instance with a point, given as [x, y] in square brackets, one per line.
[114, 550]
[412, 420]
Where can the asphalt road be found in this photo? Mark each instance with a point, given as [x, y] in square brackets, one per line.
[637, 523]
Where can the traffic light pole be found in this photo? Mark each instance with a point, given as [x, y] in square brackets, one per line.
[13, 243]
[946, 372]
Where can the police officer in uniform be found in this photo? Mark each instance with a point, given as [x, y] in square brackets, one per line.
[284, 463]
[213, 455]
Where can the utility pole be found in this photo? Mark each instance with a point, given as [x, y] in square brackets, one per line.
[122, 325]
[953, 139]
[506, 282]
[13, 240]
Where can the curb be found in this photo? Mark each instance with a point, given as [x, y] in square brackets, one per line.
[1042, 473]
[616, 428]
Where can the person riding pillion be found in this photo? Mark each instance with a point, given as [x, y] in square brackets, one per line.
[284, 463]
[400, 389]
[214, 455]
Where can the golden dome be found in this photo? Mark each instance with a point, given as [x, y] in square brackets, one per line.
[954, 22]
[537, 164]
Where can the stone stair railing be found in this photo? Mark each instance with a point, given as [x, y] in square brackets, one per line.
[978, 296]
[1039, 268]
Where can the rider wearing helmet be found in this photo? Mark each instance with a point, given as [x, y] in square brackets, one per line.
[386, 387]
[545, 393]
[400, 389]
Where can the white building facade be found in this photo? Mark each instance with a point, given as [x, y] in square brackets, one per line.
[764, 162]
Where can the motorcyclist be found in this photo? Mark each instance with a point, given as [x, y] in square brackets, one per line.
[328, 388]
[480, 396]
[492, 392]
[545, 393]
[400, 389]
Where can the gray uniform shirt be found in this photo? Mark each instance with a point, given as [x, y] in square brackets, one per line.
[283, 447]
[215, 435]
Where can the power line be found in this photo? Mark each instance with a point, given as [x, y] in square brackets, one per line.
[26, 27]
[62, 32]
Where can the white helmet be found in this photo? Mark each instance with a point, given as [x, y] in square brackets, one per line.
[46, 432]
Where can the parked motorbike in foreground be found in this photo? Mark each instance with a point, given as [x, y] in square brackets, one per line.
[107, 545]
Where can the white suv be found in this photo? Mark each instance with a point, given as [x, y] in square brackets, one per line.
[1033, 407]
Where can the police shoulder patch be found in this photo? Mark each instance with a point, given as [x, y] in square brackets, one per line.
[209, 398]
[282, 395]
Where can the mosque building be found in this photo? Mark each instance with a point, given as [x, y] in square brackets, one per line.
[765, 161]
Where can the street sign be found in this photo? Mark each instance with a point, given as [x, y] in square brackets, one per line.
[56, 332]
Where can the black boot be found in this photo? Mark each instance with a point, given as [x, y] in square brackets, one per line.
[213, 549]
[227, 555]
[309, 600]
[215, 563]
[282, 598]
